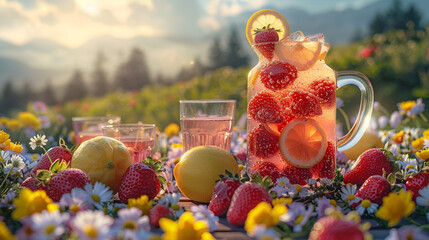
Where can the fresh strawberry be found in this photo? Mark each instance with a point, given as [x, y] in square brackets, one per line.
[265, 109]
[33, 184]
[222, 195]
[262, 143]
[158, 212]
[267, 169]
[333, 228]
[419, 181]
[54, 153]
[264, 41]
[303, 104]
[64, 181]
[370, 163]
[139, 179]
[374, 189]
[278, 75]
[324, 89]
[245, 198]
[296, 175]
[326, 167]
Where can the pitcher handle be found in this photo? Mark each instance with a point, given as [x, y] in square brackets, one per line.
[366, 104]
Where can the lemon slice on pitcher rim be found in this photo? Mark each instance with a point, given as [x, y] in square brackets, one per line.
[303, 143]
[264, 17]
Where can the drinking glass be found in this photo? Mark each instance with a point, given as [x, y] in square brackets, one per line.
[86, 128]
[139, 138]
[207, 122]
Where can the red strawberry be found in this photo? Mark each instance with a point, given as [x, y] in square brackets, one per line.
[222, 196]
[54, 153]
[158, 212]
[370, 163]
[333, 228]
[264, 41]
[245, 198]
[303, 104]
[374, 189]
[268, 169]
[326, 167]
[278, 75]
[139, 179]
[262, 143]
[33, 184]
[64, 181]
[324, 89]
[265, 109]
[419, 181]
[296, 175]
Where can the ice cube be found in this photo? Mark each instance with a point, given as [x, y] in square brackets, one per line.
[297, 36]
[318, 37]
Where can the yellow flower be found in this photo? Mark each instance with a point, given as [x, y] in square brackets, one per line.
[423, 154]
[282, 200]
[13, 124]
[418, 143]
[16, 147]
[407, 105]
[426, 134]
[3, 120]
[396, 206]
[143, 203]
[398, 137]
[4, 140]
[185, 228]
[30, 120]
[5, 233]
[172, 129]
[264, 214]
[30, 202]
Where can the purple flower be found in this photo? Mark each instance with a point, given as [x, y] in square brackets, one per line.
[39, 107]
[382, 121]
[406, 232]
[45, 121]
[418, 107]
[395, 119]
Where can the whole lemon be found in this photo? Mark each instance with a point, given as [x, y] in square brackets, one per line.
[199, 168]
[369, 140]
[103, 159]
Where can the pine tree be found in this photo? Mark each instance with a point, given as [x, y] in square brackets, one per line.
[216, 55]
[235, 56]
[48, 94]
[414, 16]
[75, 88]
[99, 76]
[134, 73]
[378, 24]
[9, 98]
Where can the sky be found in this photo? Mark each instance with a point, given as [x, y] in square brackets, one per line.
[73, 22]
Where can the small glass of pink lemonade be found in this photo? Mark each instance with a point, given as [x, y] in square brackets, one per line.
[86, 128]
[207, 122]
[139, 138]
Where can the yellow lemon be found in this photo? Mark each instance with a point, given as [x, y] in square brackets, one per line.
[104, 159]
[199, 168]
[369, 140]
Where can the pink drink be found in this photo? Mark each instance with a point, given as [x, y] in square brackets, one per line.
[139, 148]
[83, 136]
[203, 131]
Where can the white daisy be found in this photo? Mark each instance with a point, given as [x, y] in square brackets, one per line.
[92, 225]
[99, 194]
[423, 199]
[281, 187]
[297, 215]
[261, 231]
[409, 165]
[38, 141]
[16, 165]
[311, 181]
[8, 199]
[298, 190]
[171, 200]
[406, 232]
[137, 235]
[367, 206]
[131, 219]
[77, 200]
[201, 212]
[348, 194]
[5, 156]
[49, 225]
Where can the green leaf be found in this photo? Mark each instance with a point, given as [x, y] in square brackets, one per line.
[43, 175]
[391, 179]
[55, 166]
[63, 165]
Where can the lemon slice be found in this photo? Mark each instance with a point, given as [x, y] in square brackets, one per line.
[301, 54]
[303, 143]
[264, 17]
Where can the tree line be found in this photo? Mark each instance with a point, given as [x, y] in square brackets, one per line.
[132, 74]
